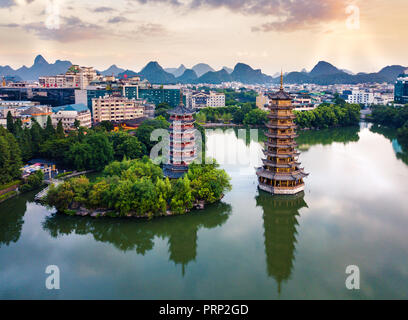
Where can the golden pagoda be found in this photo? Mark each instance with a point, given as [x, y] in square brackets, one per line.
[281, 173]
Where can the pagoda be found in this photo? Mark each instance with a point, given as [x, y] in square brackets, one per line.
[182, 151]
[281, 173]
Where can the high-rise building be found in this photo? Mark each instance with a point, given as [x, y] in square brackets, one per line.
[182, 151]
[281, 172]
[75, 77]
[401, 89]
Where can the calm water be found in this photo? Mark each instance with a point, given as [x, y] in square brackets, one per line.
[250, 246]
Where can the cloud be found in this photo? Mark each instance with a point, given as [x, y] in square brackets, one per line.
[103, 9]
[118, 19]
[72, 29]
[7, 3]
[288, 15]
[151, 29]
[9, 25]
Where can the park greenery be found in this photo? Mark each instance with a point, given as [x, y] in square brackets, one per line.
[324, 116]
[10, 157]
[138, 188]
[243, 114]
[80, 149]
[395, 117]
[328, 115]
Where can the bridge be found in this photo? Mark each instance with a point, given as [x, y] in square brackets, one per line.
[42, 194]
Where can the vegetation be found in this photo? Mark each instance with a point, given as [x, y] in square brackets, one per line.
[33, 182]
[161, 110]
[326, 116]
[81, 149]
[137, 188]
[7, 195]
[395, 117]
[10, 157]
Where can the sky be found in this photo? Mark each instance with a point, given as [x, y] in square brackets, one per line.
[357, 35]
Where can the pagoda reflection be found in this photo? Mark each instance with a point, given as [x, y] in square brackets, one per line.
[139, 235]
[280, 216]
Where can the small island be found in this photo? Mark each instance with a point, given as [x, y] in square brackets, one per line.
[137, 188]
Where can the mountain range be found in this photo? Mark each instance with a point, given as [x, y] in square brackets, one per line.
[323, 73]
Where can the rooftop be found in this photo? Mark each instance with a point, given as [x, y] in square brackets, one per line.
[78, 107]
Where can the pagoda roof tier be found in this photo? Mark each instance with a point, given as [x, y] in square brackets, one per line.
[275, 116]
[275, 145]
[281, 156]
[182, 131]
[183, 158]
[274, 164]
[293, 176]
[280, 95]
[173, 171]
[277, 107]
[183, 149]
[281, 136]
[181, 110]
[190, 121]
[182, 139]
[281, 126]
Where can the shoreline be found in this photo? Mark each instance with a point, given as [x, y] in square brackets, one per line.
[105, 213]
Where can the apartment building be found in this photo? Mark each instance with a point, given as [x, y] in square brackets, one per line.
[198, 100]
[116, 109]
[69, 114]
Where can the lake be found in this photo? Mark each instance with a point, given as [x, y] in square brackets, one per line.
[252, 245]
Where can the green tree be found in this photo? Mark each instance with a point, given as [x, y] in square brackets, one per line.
[60, 134]
[49, 131]
[10, 157]
[10, 123]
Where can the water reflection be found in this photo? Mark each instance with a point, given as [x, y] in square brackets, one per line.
[131, 234]
[11, 218]
[391, 134]
[280, 214]
[310, 138]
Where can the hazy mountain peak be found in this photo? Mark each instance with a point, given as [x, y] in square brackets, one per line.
[202, 68]
[40, 60]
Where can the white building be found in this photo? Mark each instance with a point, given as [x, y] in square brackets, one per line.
[198, 100]
[69, 114]
[116, 109]
[361, 97]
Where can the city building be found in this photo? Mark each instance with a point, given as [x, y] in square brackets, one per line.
[116, 109]
[401, 89]
[182, 151]
[39, 113]
[14, 107]
[262, 101]
[69, 114]
[358, 97]
[44, 96]
[281, 173]
[159, 94]
[198, 100]
[75, 77]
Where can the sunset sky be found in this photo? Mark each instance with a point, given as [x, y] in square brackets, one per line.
[267, 34]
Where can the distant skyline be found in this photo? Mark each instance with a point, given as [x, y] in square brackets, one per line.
[266, 34]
